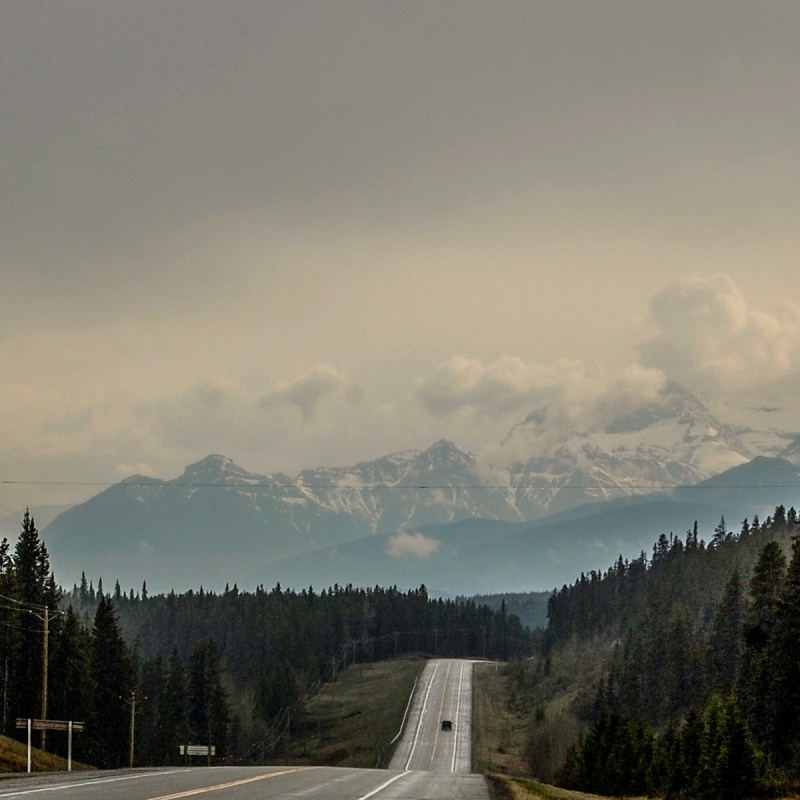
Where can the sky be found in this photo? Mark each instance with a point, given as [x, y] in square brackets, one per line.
[306, 233]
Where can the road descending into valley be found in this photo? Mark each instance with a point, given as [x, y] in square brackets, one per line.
[429, 763]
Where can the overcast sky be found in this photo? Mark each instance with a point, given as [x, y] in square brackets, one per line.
[311, 233]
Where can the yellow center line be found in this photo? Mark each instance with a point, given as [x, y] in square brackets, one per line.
[230, 784]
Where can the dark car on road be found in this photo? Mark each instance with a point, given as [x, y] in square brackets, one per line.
[447, 725]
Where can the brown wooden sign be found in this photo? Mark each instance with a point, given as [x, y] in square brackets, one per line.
[50, 724]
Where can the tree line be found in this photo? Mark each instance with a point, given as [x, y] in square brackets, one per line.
[701, 695]
[148, 673]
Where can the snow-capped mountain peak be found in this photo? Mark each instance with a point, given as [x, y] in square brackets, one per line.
[217, 519]
[669, 440]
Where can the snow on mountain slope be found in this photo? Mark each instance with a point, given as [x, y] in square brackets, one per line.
[217, 520]
[670, 441]
[768, 426]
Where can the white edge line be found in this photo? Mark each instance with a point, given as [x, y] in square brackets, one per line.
[384, 785]
[421, 714]
[64, 786]
[458, 717]
[408, 705]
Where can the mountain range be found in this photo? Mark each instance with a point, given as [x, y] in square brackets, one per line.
[555, 500]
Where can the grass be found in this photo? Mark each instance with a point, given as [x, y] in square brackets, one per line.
[14, 758]
[353, 721]
[505, 731]
[504, 787]
[499, 733]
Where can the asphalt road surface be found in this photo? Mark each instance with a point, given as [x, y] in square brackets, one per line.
[245, 783]
[429, 764]
[444, 692]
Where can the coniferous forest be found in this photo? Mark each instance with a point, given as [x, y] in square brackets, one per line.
[700, 696]
[148, 674]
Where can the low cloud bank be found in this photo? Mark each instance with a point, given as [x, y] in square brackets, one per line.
[416, 545]
[703, 335]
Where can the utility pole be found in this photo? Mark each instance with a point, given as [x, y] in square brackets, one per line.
[133, 723]
[44, 674]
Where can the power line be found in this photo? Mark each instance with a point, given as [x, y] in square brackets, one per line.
[23, 606]
[402, 487]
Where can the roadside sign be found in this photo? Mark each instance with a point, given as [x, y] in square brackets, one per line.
[198, 750]
[50, 725]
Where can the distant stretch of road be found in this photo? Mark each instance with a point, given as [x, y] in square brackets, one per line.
[444, 692]
[429, 764]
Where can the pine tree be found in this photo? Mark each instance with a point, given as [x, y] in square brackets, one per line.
[691, 751]
[108, 728]
[208, 704]
[150, 693]
[37, 596]
[680, 678]
[7, 638]
[706, 780]
[787, 668]
[173, 720]
[757, 686]
[735, 764]
[70, 682]
[725, 641]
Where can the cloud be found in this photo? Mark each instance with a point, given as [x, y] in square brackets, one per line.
[403, 544]
[571, 391]
[205, 412]
[576, 401]
[704, 336]
[705, 333]
[635, 385]
[242, 420]
[505, 385]
[124, 470]
[307, 392]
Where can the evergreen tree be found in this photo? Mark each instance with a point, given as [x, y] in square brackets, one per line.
[688, 755]
[173, 721]
[735, 764]
[757, 687]
[8, 613]
[278, 688]
[150, 695]
[108, 728]
[37, 597]
[706, 779]
[681, 680]
[208, 703]
[70, 681]
[787, 668]
[727, 762]
[726, 638]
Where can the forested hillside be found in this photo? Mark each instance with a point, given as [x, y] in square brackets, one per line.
[226, 669]
[701, 694]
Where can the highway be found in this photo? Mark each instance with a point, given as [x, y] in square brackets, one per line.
[444, 691]
[429, 764]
